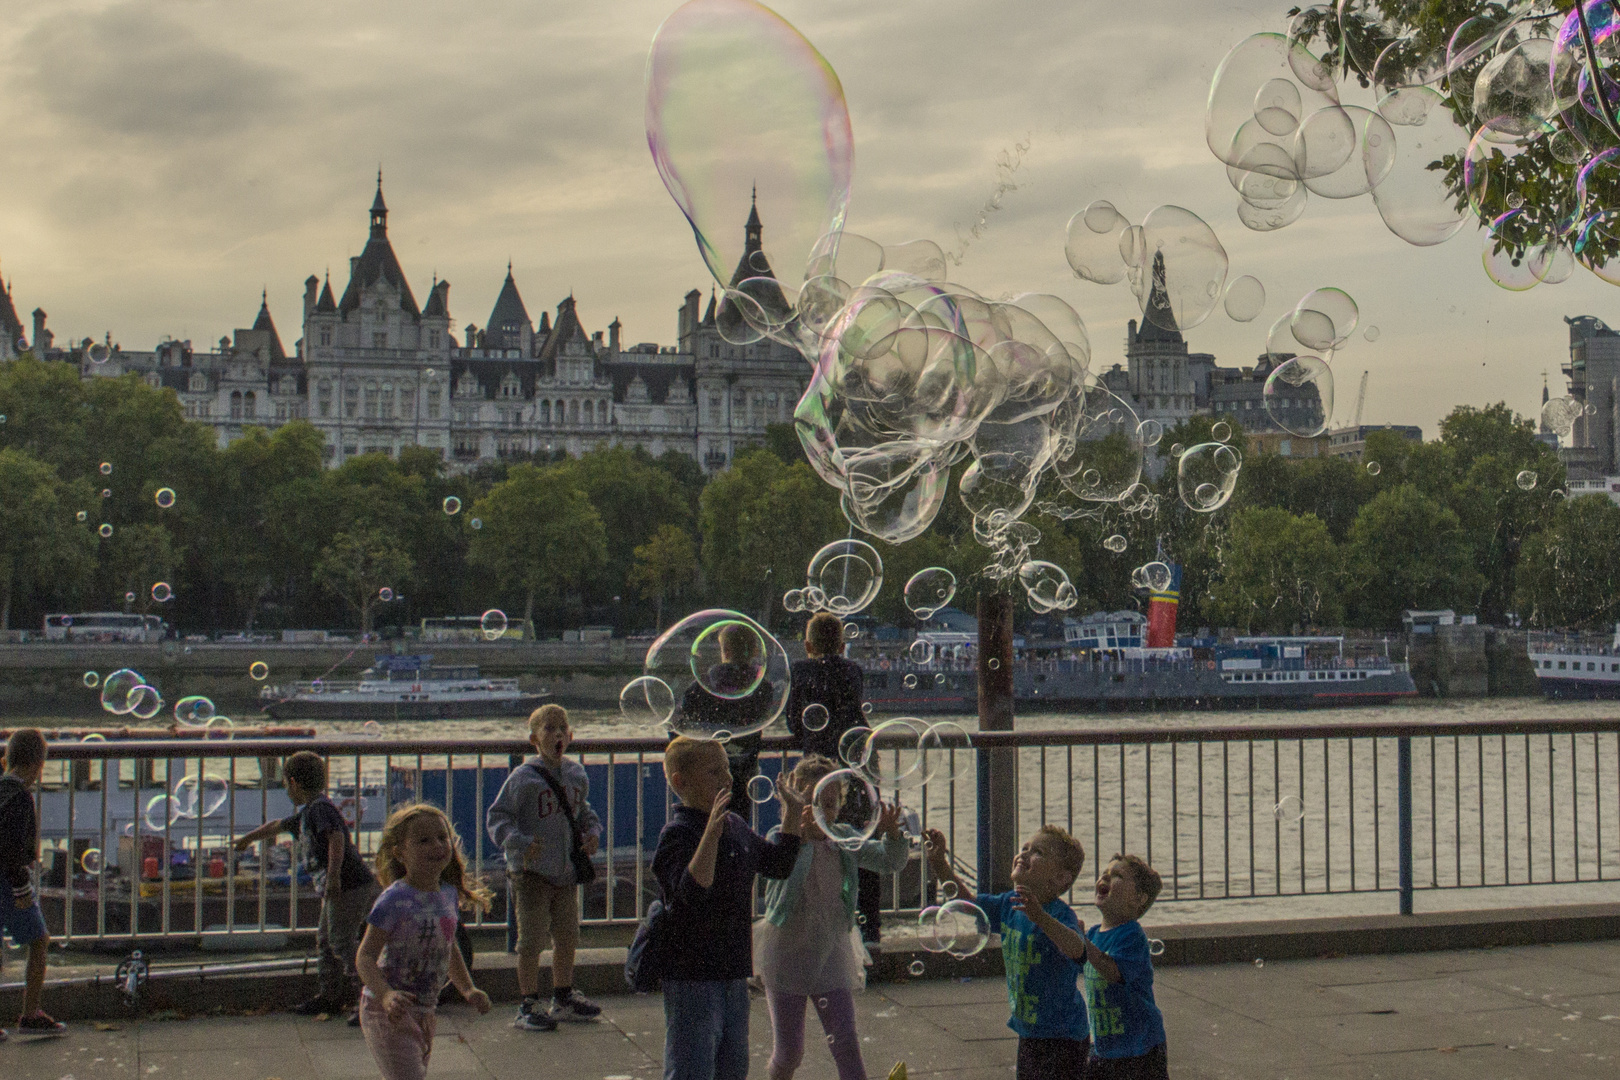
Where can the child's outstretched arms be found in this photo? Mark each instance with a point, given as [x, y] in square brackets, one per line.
[1070, 942]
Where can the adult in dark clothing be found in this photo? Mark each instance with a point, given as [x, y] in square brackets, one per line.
[838, 685]
[739, 666]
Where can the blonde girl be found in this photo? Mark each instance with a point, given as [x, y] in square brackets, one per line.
[804, 944]
[410, 944]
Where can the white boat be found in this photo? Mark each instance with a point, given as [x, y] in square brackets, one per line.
[1584, 666]
[402, 688]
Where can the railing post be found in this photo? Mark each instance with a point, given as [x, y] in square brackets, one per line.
[1403, 817]
[998, 769]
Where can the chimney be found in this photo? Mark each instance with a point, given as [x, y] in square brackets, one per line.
[311, 285]
[613, 333]
[472, 335]
[42, 339]
[689, 315]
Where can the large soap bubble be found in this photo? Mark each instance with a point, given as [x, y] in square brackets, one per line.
[1093, 243]
[1299, 396]
[1047, 586]
[647, 700]
[738, 102]
[1185, 272]
[118, 691]
[200, 796]
[846, 807]
[960, 928]
[849, 573]
[929, 590]
[1324, 319]
[725, 673]
[1206, 476]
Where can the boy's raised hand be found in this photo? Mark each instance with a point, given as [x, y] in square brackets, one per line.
[793, 800]
[717, 812]
[939, 852]
[888, 823]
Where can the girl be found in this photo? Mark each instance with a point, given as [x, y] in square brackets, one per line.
[410, 942]
[804, 946]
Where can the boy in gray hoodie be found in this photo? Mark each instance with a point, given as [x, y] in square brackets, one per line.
[529, 821]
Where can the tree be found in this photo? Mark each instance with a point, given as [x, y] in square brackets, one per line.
[138, 557]
[1569, 575]
[41, 546]
[358, 565]
[634, 499]
[541, 536]
[1280, 572]
[1406, 550]
[665, 567]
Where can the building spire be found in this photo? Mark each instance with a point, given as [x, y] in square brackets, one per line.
[379, 212]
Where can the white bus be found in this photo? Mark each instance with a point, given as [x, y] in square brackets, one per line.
[105, 626]
[467, 628]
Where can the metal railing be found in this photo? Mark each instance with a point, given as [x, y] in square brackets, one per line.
[133, 849]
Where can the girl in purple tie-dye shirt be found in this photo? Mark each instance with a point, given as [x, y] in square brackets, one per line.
[410, 946]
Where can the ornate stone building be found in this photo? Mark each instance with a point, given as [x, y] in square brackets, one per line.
[375, 372]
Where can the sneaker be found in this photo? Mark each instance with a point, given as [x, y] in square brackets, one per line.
[315, 1006]
[354, 1019]
[3, 1035]
[534, 1020]
[40, 1024]
[575, 1008]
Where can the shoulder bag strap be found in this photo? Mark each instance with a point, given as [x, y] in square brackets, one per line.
[562, 797]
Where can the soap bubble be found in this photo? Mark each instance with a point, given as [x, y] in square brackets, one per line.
[385, 594]
[1259, 962]
[939, 678]
[1207, 475]
[106, 493]
[1149, 432]
[116, 690]
[162, 592]
[82, 515]
[1115, 543]
[371, 729]
[1047, 586]
[738, 102]
[1371, 333]
[145, 702]
[492, 624]
[1245, 297]
[905, 753]
[258, 671]
[1093, 243]
[921, 651]
[993, 664]
[1289, 808]
[160, 811]
[476, 523]
[793, 600]
[98, 353]
[1373, 468]
[910, 682]
[1298, 396]
[452, 505]
[961, 928]
[164, 497]
[916, 969]
[925, 929]
[91, 861]
[1220, 431]
[1526, 480]
[866, 708]
[724, 671]
[761, 789]
[947, 889]
[647, 700]
[193, 709]
[106, 468]
[852, 744]
[849, 573]
[1155, 947]
[846, 807]
[105, 531]
[1157, 576]
[1184, 268]
[816, 717]
[220, 727]
[1559, 414]
[129, 598]
[1324, 319]
[207, 792]
[929, 590]
[91, 679]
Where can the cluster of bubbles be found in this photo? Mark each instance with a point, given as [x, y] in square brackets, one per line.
[1559, 414]
[844, 577]
[126, 693]
[958, 928]
[912, 373]
[196, 796]
[1460, 119]
[492, 624]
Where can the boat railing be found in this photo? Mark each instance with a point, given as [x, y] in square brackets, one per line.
[1280, 812]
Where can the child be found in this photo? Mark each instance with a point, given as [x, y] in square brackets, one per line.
[349, 887]
[410, 943]
[20, 916]
[1127, 1029]
[1040, 945]
[805, 951]
[527, 822]
[741, 656]
[705, 864]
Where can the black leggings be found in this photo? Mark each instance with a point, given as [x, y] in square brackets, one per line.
[869, 902]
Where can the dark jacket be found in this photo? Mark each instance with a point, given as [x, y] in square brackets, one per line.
[712, 930]
[19, 837]
[831, 681]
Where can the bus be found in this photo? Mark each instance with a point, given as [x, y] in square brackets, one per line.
[467, 628]
[105, 626]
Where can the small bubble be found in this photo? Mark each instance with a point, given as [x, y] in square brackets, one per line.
[866, 708]
[916, 968]
[162, 593]
[259, 671]
[452, 505]
[371, 729]
[1289, 808]
[91, 679]
[1155, 947]
[1176, 450]
[1373, 468]
[1514, 200]
[492, 624]
[82, 515]
[129, 598]
[911, 681]
[91, 861]
[1259, 963]
[947, 890]
[1115, 543]
[106, 468]
[816, 717]
[477, 524]
[760, 789]
[1371, 333]
[1526, 480]
[1221, 431]
[105, 530]
[385, 594]
[995, 665]
[106, 493]
[164, 497]
[939, 678]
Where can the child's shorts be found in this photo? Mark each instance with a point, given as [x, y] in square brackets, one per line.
[546, 913]
[23, 925]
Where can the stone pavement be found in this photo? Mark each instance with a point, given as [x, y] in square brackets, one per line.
[1531, 1012]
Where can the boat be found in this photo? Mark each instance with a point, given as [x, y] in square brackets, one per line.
[1123, 659]
[402, 688]
[1579, 666]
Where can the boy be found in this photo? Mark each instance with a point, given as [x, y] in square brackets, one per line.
[740, 658]
[1127, 1029]
[529, 824]
[1043, 976]
[19, 850]
[350, 888]
[705, 864]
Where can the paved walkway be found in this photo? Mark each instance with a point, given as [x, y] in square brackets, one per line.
[1548, 1011]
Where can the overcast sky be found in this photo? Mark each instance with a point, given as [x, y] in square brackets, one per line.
[168, 158]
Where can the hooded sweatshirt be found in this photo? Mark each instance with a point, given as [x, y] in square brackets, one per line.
[526, 810]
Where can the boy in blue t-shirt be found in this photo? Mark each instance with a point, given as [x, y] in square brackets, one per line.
[1048, 1012]
[1127, 1029]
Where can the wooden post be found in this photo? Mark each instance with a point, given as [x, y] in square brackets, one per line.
[998, 769]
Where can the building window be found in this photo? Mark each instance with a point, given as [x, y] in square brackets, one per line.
[545, 412]
[407, 402]
[379, 340]
[573, 412]
[351, 405]
[373, 396]
[433, 403]
[324, 399]
[236, 404]
[589, 407]
[326, 337]
[433, 339]
[199, 382]
[714, 352]
[248, 410]
[387, 402]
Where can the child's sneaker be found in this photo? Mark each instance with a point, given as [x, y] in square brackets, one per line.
[575, 1008]
[40, 1024]
[532, 1018]
[315, 1006]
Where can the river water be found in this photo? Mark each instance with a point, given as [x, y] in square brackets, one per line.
[1497, 821]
